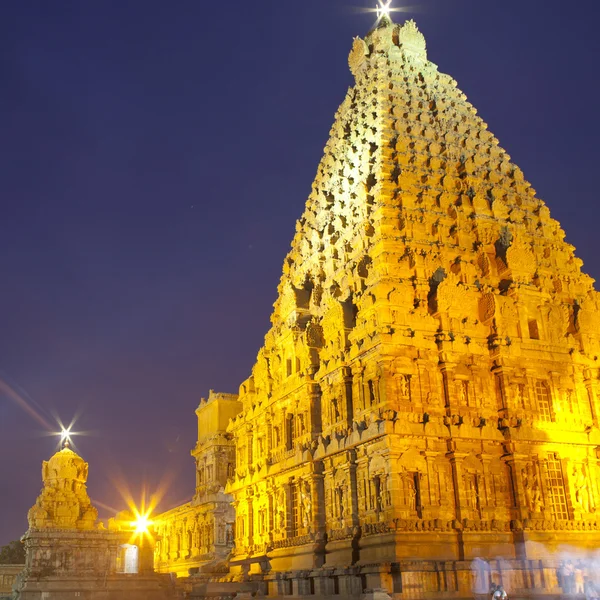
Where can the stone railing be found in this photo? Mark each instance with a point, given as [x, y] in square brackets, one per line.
[280, 455]
[550, 525]
[294, 541]
[8, 574]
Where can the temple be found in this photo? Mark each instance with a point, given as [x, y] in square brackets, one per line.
[69, 553]
[427, 393]
[198, 536]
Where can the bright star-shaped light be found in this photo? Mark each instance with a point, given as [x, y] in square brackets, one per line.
[66, 433]
[65, 437]
[384, 9]
[142, 523]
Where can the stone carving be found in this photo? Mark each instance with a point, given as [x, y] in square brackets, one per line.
[281, 509]
[412, 41]
[451, 294]
[314, 335]
[306, 500]
[487, 307]
[581, 486]
[404, 387]
[412, 494]
[358, 55]
[521, 260]
[531, 485]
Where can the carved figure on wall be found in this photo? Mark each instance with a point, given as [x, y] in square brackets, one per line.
[277, 436]
[463, 392]
[229, 536]
[412, 494]
[403, 387]
[281, 509]
[336, 410]
[519, 390]
[582, 492]
[531, 485]
[305, 497]
[339, 494]
[471, 487]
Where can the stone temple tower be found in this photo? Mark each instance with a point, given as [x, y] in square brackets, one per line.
[428, 388]
[70, 554]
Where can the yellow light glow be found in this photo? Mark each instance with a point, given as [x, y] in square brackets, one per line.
[142, 523]
[139, 519]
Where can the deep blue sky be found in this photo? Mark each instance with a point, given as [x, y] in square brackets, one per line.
[154, 158]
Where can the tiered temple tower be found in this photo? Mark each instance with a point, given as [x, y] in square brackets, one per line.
[70, 554]
[428, 387]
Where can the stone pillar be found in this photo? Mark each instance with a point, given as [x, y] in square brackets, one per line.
[446, 378]
[249, 505]
[350, 586]
[502, 389]
[358, 387]
[459, 500]
[353, 488]
[301, 585]
[430, 498]
[516, 463]
[323, 585]
[270, 514]
[316, 420]
[590, 386]
[317, 485]
[288, 509]
[348, 397]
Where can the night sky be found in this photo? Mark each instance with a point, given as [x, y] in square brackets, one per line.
[154, 158]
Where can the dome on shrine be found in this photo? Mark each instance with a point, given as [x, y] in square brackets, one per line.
[63, 502]
[65, 464]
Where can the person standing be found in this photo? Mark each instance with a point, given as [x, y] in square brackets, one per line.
[570, 578]
[578, 578]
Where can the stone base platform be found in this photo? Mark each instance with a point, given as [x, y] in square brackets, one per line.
[410, 580]
[113, 587]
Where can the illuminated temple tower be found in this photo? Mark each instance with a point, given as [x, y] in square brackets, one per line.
[428, 388]
[70, 554]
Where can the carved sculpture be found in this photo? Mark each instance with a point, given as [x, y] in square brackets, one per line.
[531, 485]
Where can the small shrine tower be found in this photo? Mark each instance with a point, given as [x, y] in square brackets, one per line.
[69, 552]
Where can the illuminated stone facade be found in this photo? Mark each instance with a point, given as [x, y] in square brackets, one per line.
[428, 387]
[69, 553]
[198, 536]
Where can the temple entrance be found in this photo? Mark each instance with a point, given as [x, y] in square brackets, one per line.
[128, 559]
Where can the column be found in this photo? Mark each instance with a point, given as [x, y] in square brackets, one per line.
[317, 484]
[590, 386]
[348, 397]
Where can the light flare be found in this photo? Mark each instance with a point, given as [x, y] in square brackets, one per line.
[142, 523]
[66, 433]
[384, 9]
[25, 404]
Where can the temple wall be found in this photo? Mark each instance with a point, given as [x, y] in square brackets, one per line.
[8, 574]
